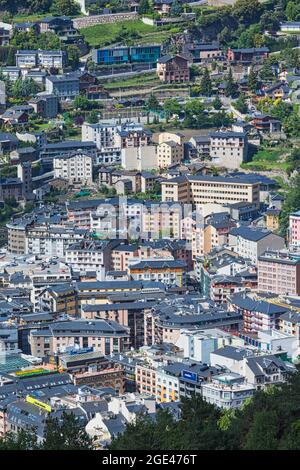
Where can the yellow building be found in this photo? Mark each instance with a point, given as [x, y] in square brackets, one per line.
[272, 219]
[169, 153]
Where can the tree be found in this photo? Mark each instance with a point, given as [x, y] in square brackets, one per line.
[65, 7]
[66, 434]
[291, 203]
[247, 11]
[171, 106]
[82, 102]
[266, 72]
[217, 103]
[241, 104]
[73, 53]
[205, 85]
[93, 117]
[144, 7]
[176, 8]
[252, 81]
[152, 103]
[292, 11]
[230, 89]
[263, 432]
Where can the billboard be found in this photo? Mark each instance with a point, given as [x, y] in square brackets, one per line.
[186, 374]
[38, 403]
[81, 351]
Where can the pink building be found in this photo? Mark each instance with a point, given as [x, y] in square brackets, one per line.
[294, 229]
[279, 273]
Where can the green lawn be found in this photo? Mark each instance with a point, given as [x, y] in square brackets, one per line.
[150, 79]
[35, 17]
[270, 155]
[267, 159]
[139, 33]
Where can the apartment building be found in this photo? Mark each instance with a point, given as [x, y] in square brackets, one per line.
[16, 235]
[79, 212]
[170, 272]
[11, 188]
[132, 135]
[46, 59]
[147, 53]
[252, 242]
[228, 149]
[45, 105]
[173, 69]
[101, 335]
[210, 189]
[89, 255]
[51, 241]
[49, 151]
[102, 134]
[248, 55]
[64, 86]
[169, 153]
[59, 299]
[279, 273]
[162, 220]
[145, 379]
[227, 391]
[75, 167]
[294, 229]
[258, 315]
[139, 158]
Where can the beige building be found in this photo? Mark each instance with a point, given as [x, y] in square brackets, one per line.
[162, 220]
[166, 136]
[104, 336]
[210, 189]
[169, 153]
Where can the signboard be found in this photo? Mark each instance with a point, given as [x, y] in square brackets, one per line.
[186, 374]
[29, 372]
[81, 351]
[38, 403]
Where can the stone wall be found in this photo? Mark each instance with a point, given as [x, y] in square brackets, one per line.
[103, 19]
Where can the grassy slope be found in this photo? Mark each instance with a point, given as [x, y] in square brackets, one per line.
[104, 34]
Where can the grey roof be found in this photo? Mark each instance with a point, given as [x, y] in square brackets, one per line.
[160, 264]
[237, 354]
[259, 364]
[250, 233]
[292, 317]
[247, 303]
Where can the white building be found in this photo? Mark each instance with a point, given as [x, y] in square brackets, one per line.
[250, 242]
[102, 134]
[227, 391]
[75, 167]
[197, 345]
[139, 158]
[51, 241]
[228, 149]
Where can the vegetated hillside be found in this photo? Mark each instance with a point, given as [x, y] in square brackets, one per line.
[268, 421]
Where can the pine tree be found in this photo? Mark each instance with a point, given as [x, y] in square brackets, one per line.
[230, 89]
[252, 81]
[205, 85]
